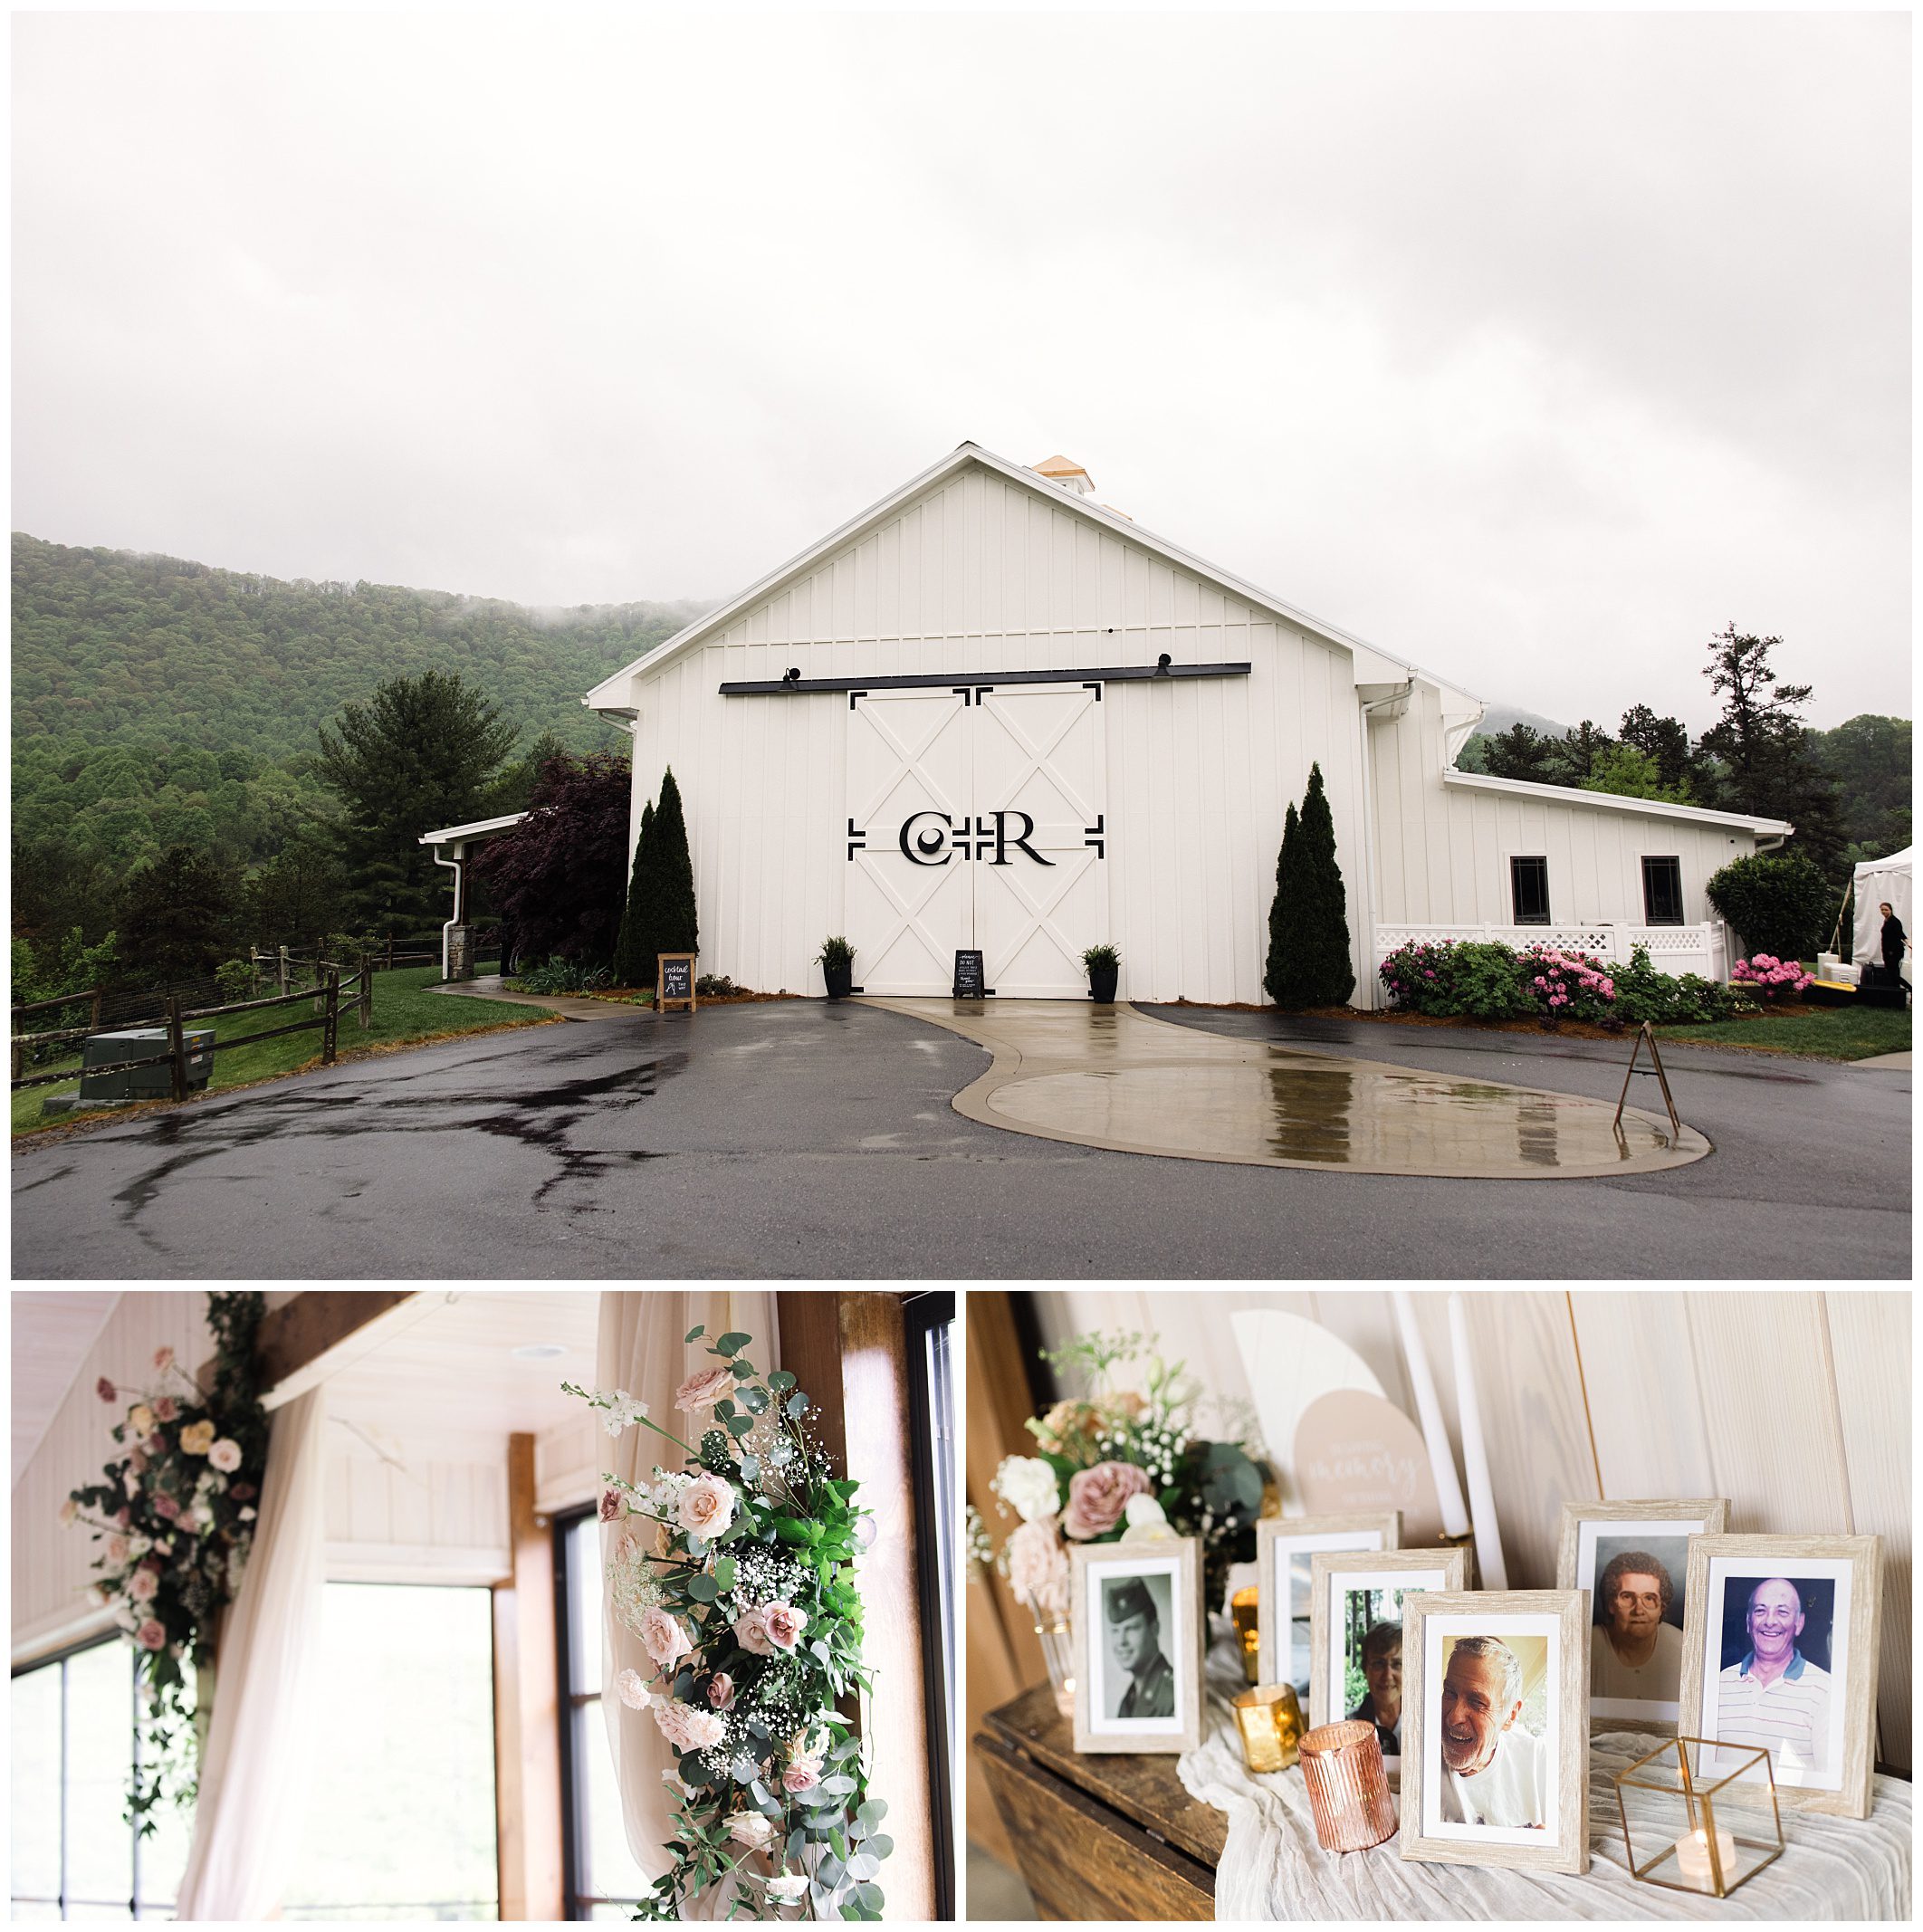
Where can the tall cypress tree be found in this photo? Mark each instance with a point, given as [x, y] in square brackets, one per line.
[634, 957]
[1309, 924]
[677, 929]
[1276, 974]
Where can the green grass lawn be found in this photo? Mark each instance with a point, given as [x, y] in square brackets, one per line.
[404, 1012]
[1829, 1033]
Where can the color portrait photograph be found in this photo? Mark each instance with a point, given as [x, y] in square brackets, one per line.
[1779, 1682]
[1287, 1547]
[1492, 1732]
[1355, 1669]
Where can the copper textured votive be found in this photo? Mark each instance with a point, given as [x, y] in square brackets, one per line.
[1271, 1722]
[1244, 1606]
[1348, 1785]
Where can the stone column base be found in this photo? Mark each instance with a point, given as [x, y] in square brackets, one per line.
[460, 952]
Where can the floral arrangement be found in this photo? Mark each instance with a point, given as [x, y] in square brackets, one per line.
[1120, 1467]
[175, 1515]
[1770, 977]
[736, 1571]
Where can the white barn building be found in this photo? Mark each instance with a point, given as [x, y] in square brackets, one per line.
[992, 712]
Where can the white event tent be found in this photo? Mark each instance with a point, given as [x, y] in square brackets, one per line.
[1877, 880]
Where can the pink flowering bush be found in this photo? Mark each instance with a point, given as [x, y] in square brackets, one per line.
[1565, 985]
[1473, 978]
[1768, 977]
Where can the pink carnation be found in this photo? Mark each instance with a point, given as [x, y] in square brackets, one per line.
[630, 1690]
[704, 1390]
[1097, 1496]
[1038, 1566]
[688, 1729]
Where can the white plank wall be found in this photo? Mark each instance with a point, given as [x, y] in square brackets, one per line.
[1795, 1405]
[416, 1508]
[51, 1563]
[568, 1459]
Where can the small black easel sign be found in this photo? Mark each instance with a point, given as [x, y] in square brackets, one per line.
[969, 975]
[675, 981]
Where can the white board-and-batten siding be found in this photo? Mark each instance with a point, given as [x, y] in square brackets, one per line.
[1442, 852]
[981, 575]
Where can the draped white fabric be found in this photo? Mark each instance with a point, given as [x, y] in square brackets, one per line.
[254, 1777]
[1273, 1867]
[640, 1350]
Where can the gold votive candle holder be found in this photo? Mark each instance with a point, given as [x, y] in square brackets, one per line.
[1700, 1816]
[1348, 1785]
[1271, 1722]
[1245, 1607]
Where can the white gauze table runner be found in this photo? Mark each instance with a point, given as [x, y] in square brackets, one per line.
[1272, 1867]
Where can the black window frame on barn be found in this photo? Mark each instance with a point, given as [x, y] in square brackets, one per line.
[1669, 870]
[1534, 867]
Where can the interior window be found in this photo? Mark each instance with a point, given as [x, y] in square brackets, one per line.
[1529, 891]
[1662, 900]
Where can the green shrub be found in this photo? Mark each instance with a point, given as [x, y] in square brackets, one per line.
[1778, 903]
[716, 986]
[1308, 923]
[236, 981]
[834, 953]
[1472, 979]
[1677, 999]
[561, 976]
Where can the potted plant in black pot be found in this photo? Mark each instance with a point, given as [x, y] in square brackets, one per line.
[1105, 967]
[836, 961]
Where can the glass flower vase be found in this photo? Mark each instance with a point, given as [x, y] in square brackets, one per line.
[1056, 1637]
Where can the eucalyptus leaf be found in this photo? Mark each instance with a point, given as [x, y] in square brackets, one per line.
[704, 1589]
[694, 1333]
[781, 1380]
[840, 1786]
[797, 1404]
[872, 1814]
[724, 1570]
[737, 1425]
[750, 1469]
[734, 1343]
[881, 1845]
[754, 1400]
[870, 1896]
[863, 1866]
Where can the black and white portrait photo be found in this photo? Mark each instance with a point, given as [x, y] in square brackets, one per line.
[1138, 1646]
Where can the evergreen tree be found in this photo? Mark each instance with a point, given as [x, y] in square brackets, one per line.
[422, 752]
[1520, 753]
[176, 918]
[678, 928]
[1666, 740]
[1577, 753]
[1276, 974]
[634, 960]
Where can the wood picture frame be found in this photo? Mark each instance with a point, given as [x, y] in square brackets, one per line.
[1280, 1537]
[1096, 1574]
[663, 999]
[1444, 1569]
[1580, 1565]
[1433, 1830]
[1717, 1562]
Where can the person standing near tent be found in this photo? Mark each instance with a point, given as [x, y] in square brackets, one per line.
[1892, 939]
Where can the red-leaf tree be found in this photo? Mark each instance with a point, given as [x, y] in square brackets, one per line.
[560, 876]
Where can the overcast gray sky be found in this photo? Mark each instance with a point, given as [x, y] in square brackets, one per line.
[1535, 347]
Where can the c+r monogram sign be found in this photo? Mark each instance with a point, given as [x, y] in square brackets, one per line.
[932, 838]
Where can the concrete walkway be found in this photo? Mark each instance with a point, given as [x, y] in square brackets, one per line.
[1114, 1078]
[569, 1006]
[1895, 1062]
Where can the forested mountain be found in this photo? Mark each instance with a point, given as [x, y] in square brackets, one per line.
[158, 701]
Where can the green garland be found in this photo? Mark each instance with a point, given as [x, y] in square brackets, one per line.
[739, 1579]
[176, 1513]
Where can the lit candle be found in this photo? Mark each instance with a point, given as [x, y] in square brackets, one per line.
[1490, 1565]
[1428, 1410]
[1692, 1858]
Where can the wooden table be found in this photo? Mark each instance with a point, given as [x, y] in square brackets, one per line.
[1097, 1836]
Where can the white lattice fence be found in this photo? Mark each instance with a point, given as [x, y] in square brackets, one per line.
[1671, 949]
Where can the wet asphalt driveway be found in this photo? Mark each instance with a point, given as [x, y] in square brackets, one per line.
[799, 1140]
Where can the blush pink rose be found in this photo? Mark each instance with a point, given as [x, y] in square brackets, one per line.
[706, 1507]
[143, 1586]
[721, 1690]
[663, 1638]
[151, 1635]
[610, 1505]
[688, 1729]
[1038, 1566]
[800, 1775]
[704, 1391]
[117, 1549]
[752, 1633]
[1097, 1496]
[226, 1456]
[164, 1506]
[783, 1624]
[166, 1409]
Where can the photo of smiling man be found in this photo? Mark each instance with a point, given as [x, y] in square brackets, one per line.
[1495, 1768]
[1141, 1676]
[1775, 1694]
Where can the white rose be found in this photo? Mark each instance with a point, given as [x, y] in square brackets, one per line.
[751, 1829]
[789, 1888]
[1027, 1484]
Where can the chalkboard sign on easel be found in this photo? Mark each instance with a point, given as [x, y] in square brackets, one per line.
[969, 975]
[675, 981]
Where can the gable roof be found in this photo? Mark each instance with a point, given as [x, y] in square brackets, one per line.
[612, 692]
[1616, 802]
